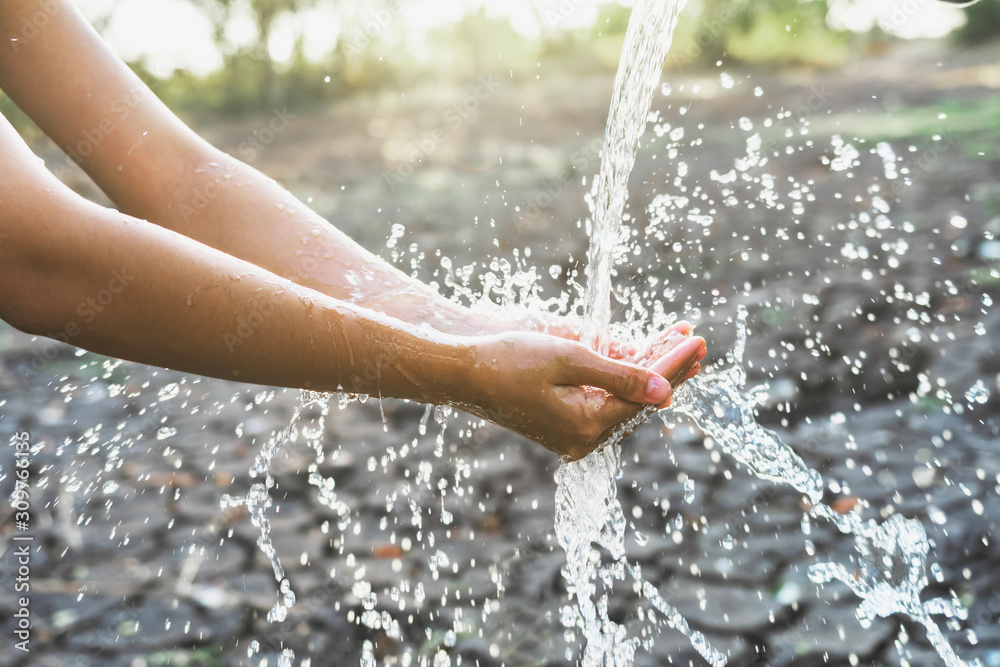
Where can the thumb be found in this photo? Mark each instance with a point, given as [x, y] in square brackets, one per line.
[624, 380]
[676, 363]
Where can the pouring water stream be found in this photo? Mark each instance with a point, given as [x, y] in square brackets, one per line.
[889, 571]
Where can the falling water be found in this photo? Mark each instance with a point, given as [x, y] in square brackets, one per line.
[588, 512]
[650, 32]
[888, 571]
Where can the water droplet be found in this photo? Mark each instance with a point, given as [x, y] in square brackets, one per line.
[936, 515]
[441, 413]
[977, 393]
[168, 392]
[689, 490]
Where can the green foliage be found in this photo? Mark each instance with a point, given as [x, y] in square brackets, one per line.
[18, 119]
[612, 19]
[759, 32]
[477, 45]
[208, 656]
[983, 23]
[371, 56]
[971, 126]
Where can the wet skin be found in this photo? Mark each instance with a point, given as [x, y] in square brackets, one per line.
[228, 275]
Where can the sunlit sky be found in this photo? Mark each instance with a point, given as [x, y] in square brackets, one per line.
[174, 34]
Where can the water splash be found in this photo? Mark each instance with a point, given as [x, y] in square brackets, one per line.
[891, 557]
[889, 570]
[258, 500]
[588, 511]
[589, 514]
[650, 33]
[723, 408]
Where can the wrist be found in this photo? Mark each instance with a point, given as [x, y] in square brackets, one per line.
[403, 361]
[445, 370]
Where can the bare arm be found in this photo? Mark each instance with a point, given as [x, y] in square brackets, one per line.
[154, 167]
[108, 282]
[111, 283]
[240, 280]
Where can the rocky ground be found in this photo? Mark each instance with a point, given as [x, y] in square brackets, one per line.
[439, 541]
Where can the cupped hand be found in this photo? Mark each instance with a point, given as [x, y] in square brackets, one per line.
[567, 397]
[570, 328]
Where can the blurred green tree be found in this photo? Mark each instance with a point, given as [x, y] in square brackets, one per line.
[983, 23]
[265, 12]
[760, 31]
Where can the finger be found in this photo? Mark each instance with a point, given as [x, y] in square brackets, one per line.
[623, 380]
[622, 351]
[681, 377]
[614, 412]
[677, 361]
[694, 372]
[683, 327]
[660, 343]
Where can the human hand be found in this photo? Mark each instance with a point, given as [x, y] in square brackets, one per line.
[661, 349]
[566, 397]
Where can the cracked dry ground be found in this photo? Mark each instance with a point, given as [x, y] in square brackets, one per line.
[136, 564]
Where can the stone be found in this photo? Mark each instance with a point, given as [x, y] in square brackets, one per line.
[829, 633]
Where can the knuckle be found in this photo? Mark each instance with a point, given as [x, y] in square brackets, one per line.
[629, 384]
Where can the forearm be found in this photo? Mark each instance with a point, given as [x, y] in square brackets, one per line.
[123, 287]
[233, 207]
[153, 167]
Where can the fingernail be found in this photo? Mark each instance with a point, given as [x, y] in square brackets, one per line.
[657, 389]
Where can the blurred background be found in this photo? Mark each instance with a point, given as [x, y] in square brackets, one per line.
[459, 139]
[245, 56]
